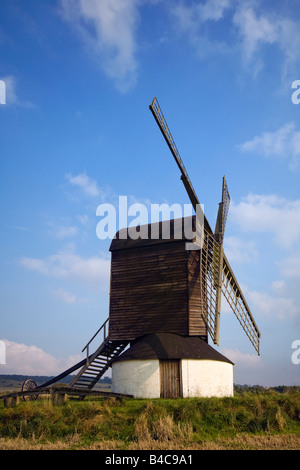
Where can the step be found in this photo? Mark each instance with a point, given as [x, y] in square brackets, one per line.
[91, 373]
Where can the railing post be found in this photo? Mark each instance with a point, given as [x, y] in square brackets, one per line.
[104, 338]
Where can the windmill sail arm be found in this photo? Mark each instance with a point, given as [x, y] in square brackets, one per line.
[234, 296]
[162, 124]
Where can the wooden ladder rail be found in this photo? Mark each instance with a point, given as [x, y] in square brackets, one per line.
[105, 336]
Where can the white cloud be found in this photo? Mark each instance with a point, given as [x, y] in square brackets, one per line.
[93, 271]
[264, 28]
[107, 28]
[64, 231]
[279, 218]
[190, 16]
[68, 297]
[190, 20]
[85, 183]
[290, 267]
[273, 306]
[65, 296]
[254, 30]
[31, 360]
[251, 369]
[284, 143]
[83, 219]
[241, 359]
[239, 250]
[279, 286]
[213, 9]
[35, 264]
[269, 214]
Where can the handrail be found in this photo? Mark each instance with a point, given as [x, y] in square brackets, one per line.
[103, 326]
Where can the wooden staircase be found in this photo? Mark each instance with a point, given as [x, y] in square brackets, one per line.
[98, 363]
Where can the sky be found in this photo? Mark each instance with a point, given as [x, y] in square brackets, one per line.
[76, 133]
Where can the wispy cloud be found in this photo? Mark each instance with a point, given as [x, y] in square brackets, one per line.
[190, 20]
[92, 271]
[88, 185]
[67, 297]
[107, 29]
[64, 231]
[240, 251]
[283, 143]
[277, 216]
[282, 307]
[191, 15]
[248, 368]
[260, 29]
[32, 360]
[244, 359]
[290, 267]
[253, 30]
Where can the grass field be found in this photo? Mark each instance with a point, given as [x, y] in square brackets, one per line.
[249, 420]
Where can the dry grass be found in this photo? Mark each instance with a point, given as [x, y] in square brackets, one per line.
[240, 442]
[164, 434]
[70, 443]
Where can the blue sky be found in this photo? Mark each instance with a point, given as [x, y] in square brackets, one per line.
[76, 132]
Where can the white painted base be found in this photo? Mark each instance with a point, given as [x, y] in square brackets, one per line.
[206, 378]
[139, 378]
[200, 378]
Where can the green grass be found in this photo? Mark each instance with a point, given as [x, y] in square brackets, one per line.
[182, 422]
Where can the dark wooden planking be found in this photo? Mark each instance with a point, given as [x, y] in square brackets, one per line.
[170, 379]
[149, 292]
[196, 323]
[155, 287]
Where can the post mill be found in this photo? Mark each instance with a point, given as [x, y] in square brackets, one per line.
[165, 303]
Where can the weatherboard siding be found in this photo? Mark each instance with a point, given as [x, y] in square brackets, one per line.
[155, 287]
[149, 291]
[196, 323]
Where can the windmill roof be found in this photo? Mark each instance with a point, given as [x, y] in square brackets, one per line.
[171, 346]
[174, 230]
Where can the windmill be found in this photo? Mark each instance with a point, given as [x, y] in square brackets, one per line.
[164, 303]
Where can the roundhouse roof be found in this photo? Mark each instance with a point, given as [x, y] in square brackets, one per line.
[171, 346]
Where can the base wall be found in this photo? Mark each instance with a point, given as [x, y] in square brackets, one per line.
[206, 378]
[200, 378]
[138, 378]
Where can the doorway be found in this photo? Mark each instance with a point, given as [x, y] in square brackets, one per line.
[170, 378]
